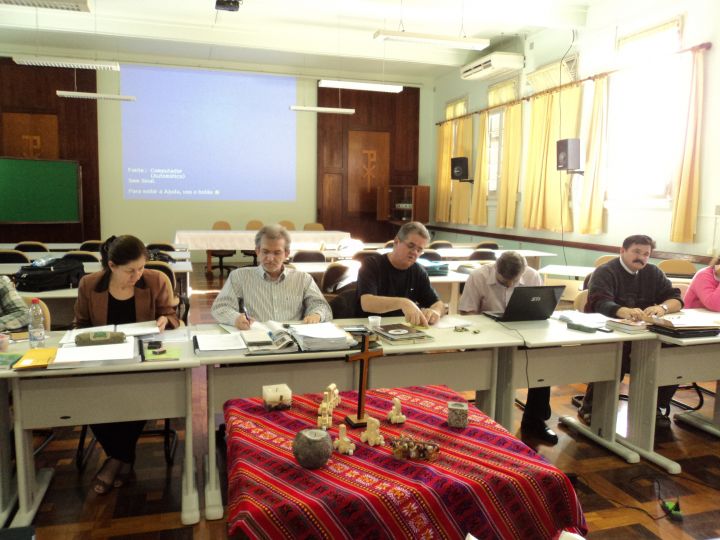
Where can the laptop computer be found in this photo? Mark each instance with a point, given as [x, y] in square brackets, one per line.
[529, 304]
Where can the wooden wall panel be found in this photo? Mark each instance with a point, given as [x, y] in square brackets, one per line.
[31, 136]
[368, 169]
[394, 115]
[31, 90]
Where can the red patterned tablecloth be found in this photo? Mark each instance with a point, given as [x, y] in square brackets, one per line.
[485, 481]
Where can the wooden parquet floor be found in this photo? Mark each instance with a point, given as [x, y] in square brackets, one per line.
[620, 500]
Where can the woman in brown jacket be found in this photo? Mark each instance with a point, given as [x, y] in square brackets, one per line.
[122, 292]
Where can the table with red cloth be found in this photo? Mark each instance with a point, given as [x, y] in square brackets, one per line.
[484, 481]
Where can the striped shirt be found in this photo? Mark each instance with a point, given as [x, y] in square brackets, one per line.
[14, 312]
[292, 297]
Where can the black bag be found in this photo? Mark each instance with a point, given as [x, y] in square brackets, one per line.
[157, 255]
[54, 274]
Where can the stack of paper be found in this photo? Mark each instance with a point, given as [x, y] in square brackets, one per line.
[218, 344]
[591, 320]
[131, 329]
[321, 337]
[96, 355]
[627, 326]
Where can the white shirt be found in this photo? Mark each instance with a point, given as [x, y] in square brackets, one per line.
[483, 292]
[291, 297]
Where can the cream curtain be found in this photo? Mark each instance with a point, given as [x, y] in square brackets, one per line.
[460, 197]
[547, 190]
[686, 184]
[509, 166]
[593, 191]
[478, 208]
[442, 176]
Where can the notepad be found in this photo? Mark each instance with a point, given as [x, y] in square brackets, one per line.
[218, 344]
[321, 337]
[8, 359]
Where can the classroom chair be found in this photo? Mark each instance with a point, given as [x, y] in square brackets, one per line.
[364, 254]
[345, 304]
[389, 244]
[161, 246]
[28, 246]
[180, 301]
[252, 225]
[440, 244]
[337, 277]
[221, 254]
[602, 259]
[580, 300]
[82, 256]
[487, 244]
[313, 227]
[13, 256]
[289, 225]
[308, 255]
[677, 267]
[91, 245]
[431, 255]
[482, 255]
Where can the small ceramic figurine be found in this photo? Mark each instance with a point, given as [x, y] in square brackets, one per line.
[327, 400]
[334, 394]
[395, 416]
[372, 434]
[343, 444]
[324, 420]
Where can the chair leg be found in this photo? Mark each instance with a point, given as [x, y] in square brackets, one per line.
[169, 442]
[82, 454]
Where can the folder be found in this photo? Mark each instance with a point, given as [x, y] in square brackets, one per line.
[36, 358]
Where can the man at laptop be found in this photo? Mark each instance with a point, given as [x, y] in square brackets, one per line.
[489, 288]
[395, 284]
[629, 287]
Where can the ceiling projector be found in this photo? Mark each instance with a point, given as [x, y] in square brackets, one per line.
[228, 5]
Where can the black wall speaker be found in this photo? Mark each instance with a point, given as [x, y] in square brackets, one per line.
[459, 168]
[568, 155]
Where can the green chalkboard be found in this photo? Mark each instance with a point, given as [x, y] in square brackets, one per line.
[39, 191]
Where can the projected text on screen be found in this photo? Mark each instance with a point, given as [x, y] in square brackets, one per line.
[208, 135]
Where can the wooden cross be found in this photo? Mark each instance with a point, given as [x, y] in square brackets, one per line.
[364, 356]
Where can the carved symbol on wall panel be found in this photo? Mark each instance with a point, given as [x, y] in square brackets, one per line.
[368, 169]
[30, 135]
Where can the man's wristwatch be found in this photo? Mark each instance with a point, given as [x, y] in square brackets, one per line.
[665, 307]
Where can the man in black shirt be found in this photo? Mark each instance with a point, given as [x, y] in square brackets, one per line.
[395, 284]
[630, 288]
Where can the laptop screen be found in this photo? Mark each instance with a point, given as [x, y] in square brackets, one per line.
[534, 303]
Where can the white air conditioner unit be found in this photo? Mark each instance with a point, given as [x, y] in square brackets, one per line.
[66, 5]
[492, 65]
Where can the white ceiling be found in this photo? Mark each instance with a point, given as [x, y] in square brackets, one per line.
[311, 37]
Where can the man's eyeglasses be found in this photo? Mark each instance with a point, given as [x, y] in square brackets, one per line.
[414, 247]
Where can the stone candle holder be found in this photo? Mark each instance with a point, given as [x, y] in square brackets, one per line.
[457, 414]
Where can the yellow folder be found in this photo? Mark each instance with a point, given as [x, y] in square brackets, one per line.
[36, 358]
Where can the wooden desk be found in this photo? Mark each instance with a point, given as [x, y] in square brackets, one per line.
[237, 375]
[68, 397]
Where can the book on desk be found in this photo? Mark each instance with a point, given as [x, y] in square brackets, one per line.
[401, 333]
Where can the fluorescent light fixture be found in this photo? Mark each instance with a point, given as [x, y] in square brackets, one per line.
[93, 95]
[331, 110]
[472, 44]
[59, 62]
[357, 85]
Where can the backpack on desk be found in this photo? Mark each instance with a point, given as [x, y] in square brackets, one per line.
[55, 274]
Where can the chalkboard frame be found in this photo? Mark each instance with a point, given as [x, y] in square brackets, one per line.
[42, 164]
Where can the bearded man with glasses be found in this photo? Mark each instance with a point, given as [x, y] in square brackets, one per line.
[396, 285]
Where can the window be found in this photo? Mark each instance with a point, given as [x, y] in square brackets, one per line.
[495, 125]
[647, 114]
[456, 108]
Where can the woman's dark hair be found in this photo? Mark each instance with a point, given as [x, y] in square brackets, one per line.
[122, 250]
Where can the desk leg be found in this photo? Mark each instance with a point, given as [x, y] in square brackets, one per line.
[602, 429]
[700, 421]
[190, 509]
[454, 298]
[642, 404]
[486, 400]
[8, 489]
[31, 488]
[213, 497]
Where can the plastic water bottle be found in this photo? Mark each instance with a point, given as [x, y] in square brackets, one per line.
[36, 328]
